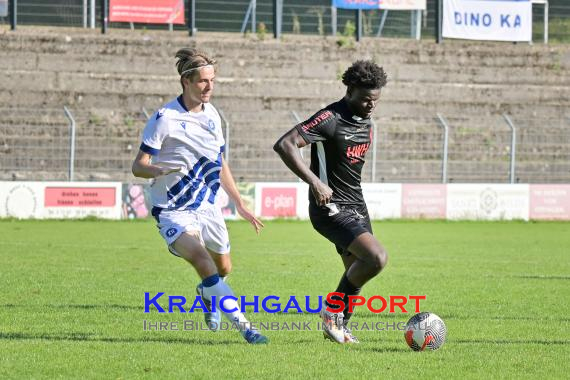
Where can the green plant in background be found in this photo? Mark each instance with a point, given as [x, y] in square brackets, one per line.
[95, 119]
[320, 20]
[339, 72]
[261, 31]
[346, 39]
[367, 22]
[296, 23]
[558, 30]
[129, 121]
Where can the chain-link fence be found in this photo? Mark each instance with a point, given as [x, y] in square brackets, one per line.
[35, 145]
[32, 142]
[299, 17]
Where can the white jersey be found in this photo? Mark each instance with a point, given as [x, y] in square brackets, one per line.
[192, 141]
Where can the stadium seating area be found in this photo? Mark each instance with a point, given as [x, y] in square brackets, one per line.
[109, 81]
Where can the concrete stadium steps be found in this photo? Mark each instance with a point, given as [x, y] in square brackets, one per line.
[303, 105]
[27, 116]
[52, 174]
[467, 72]
[408, 170]
[120, 84]
[542, 172]
[230, 45]
[105, 80]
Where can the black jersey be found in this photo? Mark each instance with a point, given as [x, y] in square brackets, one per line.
[339, 141]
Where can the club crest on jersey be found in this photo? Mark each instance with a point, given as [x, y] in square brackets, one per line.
[211, 125]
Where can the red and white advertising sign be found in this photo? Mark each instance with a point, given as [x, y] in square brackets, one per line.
[147, 11]
[424, 201]
[41, 200]
[550, 202]
[278, 201]
[79, 196]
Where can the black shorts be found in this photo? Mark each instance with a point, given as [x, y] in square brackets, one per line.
[343, 227]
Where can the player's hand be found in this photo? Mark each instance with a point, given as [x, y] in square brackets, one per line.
[164, 170]
[322, 193]
[248, 215]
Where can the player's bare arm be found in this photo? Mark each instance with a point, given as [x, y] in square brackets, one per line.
[143, 168]
[288, 149]
[229, 186]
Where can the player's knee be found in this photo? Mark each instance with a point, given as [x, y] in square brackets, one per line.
[225, 269]
[379, 260]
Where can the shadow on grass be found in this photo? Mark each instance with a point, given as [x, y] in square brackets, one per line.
[509, 341]
[77, 306]
[384, 350]
[81, 337]
[536, 318]
[544, 277]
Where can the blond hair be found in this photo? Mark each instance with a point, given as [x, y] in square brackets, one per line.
[190, 59]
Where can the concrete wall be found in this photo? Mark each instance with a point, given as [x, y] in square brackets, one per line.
[105, 80]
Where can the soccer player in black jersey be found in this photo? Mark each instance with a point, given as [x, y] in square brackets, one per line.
[340, 135]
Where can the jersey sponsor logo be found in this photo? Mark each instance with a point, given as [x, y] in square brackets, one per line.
[318, 119]
[171, 232]
[183, 125]
[348, 137]
[355, 152]
[159, 114]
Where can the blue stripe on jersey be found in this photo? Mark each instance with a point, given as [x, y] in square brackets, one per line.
[214, 189]
[147, 149]
[207, 167]
[199, 199]
[189, 194]
[204, 172]
[184, 181]
[213, 181]
[215, 174]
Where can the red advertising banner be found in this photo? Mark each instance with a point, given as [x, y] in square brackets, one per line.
[550, 202]
[79, 197]
[147, 11]
[279, 202]
[424, 201]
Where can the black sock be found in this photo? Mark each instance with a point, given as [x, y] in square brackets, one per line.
[344, 286]
[349, 290]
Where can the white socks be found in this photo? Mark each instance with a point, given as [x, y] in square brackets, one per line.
[221, 289]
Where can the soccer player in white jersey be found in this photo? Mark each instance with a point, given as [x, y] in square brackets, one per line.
[182, 151]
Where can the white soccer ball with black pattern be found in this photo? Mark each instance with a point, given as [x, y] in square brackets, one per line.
[425, 331]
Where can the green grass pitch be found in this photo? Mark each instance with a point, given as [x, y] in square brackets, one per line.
[73, 296]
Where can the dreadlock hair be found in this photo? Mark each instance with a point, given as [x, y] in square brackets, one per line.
[365, 74]
[190, 60]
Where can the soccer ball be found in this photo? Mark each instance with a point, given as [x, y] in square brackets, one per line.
[425, 330]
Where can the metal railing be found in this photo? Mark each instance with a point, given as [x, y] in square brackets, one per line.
[59, 144]
[550, 23]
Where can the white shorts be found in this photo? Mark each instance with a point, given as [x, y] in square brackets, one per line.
[207, 222]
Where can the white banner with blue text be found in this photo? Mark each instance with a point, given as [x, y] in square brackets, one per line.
[493, 20]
